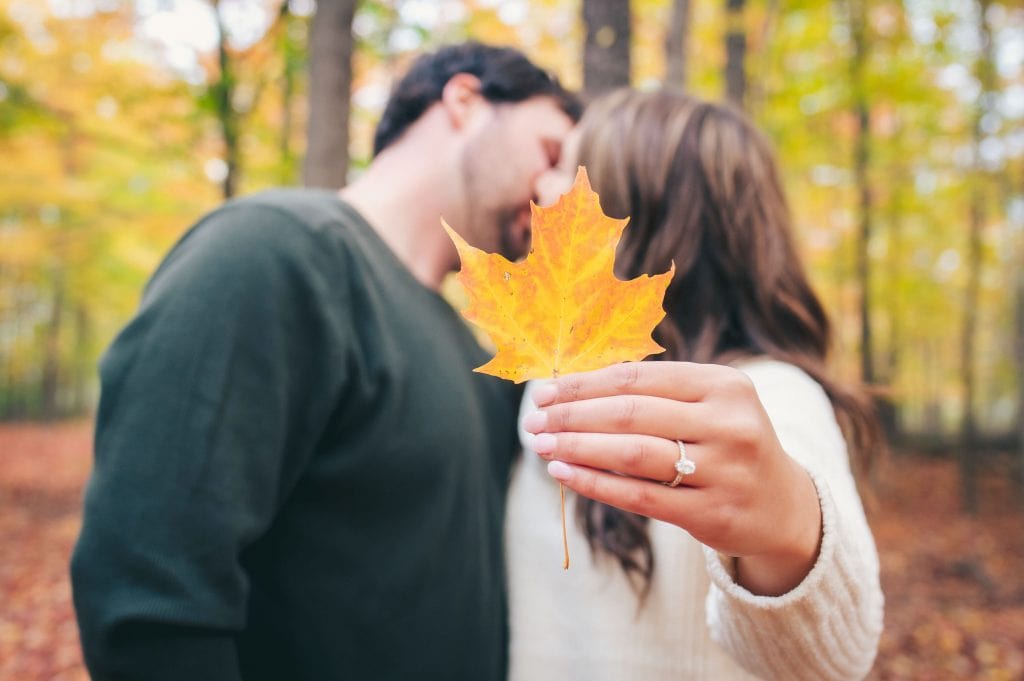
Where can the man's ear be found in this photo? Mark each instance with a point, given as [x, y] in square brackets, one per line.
[461, 98]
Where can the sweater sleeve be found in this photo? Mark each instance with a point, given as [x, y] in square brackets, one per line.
[828, 627]
[211, 401]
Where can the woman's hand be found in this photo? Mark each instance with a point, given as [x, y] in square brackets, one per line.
[611, 435]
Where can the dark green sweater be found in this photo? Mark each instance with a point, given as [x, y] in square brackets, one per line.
[297, 474]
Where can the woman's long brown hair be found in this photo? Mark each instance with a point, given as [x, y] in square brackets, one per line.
[701, 187]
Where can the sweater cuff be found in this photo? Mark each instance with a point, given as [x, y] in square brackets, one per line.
[826, 628]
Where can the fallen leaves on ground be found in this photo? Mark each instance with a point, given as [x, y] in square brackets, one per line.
[42, 473]
[954, 585]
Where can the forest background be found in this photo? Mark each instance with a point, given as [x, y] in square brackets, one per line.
[898, 125]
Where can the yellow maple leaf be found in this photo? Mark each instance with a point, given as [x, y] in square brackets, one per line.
[562, 309]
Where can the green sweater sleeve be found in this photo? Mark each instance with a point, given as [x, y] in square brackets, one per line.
[212, 399]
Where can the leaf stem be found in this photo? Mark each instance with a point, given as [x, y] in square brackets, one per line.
[565, 536]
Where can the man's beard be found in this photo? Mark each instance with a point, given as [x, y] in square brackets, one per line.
[498, 222]
[510, 245]
[501, 226]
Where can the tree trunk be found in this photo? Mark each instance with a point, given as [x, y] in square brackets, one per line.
[223, 94]
[968, 426]
[291, 60]
[735, 53]
[889, 407]
[677, 42]
[83, 362]
[330, 84]
[984, 71]
[862, 161]
[606, 60]
[15, 403]
[861, 166]
[931, 377]
[8, 385]
[1020, 375]
[50, 388]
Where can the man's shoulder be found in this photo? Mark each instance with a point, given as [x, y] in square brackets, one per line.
[300, 231]
[311, 209]
[313, 222]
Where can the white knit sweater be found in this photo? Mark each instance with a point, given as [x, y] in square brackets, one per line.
[697, 623]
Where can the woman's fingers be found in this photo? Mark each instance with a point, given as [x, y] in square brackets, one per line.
[673, 505]
[685, 381]
[639, 414]
[640, 456]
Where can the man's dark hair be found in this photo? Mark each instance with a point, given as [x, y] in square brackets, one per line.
[505, 75]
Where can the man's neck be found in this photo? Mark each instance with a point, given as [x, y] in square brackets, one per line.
[403, 201]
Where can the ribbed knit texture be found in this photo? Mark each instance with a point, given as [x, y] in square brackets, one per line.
[697, 623]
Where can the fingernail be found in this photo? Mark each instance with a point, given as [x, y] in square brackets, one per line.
[560, 471]
[545, 394]
[544, 443]
[535, 422]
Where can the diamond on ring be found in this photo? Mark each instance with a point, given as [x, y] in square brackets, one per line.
[683, 466]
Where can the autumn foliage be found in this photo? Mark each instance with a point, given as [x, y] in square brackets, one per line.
[562, 309]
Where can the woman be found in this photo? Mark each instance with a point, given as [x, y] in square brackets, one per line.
[757, 560]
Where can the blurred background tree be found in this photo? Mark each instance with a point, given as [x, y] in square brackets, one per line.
[898, 125]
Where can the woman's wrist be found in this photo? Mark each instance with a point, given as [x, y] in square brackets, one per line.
[781, 571]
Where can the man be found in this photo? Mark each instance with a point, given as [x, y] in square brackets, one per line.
[297, 474]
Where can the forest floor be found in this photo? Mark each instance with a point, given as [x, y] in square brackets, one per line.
[954, 584]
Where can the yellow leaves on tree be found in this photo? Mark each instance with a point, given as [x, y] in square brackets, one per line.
[562, 309]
